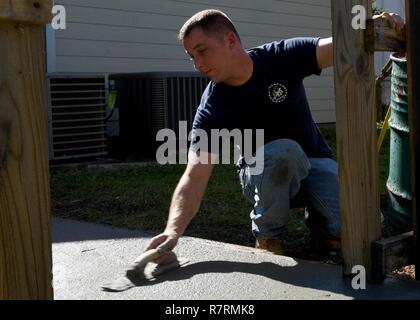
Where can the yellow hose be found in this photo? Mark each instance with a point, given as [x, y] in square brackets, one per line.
[385, 72]
[384, 129]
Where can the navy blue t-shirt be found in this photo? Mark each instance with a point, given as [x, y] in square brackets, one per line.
[273, 98]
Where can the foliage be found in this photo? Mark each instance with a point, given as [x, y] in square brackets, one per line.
[376, 9]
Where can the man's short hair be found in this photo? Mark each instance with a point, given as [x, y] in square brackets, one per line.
[213, 22]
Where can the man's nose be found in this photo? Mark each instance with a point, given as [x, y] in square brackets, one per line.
[198, 64]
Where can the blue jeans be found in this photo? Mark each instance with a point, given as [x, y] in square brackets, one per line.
[291, 179]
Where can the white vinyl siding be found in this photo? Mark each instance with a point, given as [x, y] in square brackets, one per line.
[108, 36]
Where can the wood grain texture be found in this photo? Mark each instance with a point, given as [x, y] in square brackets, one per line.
[391, 253]
[413, 69]
[380, 36]
[25, 226]
[356, 138]
[28, 11]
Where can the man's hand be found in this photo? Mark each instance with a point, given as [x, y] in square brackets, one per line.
[185, 203]
[324, 49]
[395, 20]
[166, 241]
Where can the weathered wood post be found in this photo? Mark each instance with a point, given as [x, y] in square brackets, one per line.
[356, 136]
[412, 13]
[25, 227]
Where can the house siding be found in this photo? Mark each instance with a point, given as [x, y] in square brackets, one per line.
[107, 36]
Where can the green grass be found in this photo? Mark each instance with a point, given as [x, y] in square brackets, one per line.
[139, 198]
[383, 156]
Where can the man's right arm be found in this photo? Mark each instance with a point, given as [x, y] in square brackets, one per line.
[186, 200]
[188, 194]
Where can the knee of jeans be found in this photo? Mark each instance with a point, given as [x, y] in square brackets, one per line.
[286, 156]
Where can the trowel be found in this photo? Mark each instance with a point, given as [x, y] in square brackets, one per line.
[144, 269]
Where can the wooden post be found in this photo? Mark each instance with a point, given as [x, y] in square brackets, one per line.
[356, 137]
[25, 210]
[412, 13]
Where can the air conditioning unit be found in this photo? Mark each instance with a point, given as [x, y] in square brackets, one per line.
[151, 101]
[76, 112]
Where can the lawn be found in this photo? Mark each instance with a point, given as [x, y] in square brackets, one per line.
[139, 198]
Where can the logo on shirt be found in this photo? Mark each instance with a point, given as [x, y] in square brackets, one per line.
[277, 92]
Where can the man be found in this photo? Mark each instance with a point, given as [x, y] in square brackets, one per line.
[260, 88]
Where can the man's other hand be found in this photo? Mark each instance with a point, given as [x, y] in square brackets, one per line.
[395, 20]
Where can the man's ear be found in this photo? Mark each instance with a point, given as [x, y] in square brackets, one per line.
[231, 39]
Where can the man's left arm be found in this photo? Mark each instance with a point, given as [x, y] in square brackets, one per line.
[324, 48]
[324, 53]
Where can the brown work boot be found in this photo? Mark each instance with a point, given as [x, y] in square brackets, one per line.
[272, 245]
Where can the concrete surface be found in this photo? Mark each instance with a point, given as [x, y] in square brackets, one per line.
[87, 255]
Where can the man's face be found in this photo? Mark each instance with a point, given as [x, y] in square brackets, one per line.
[210, 54]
